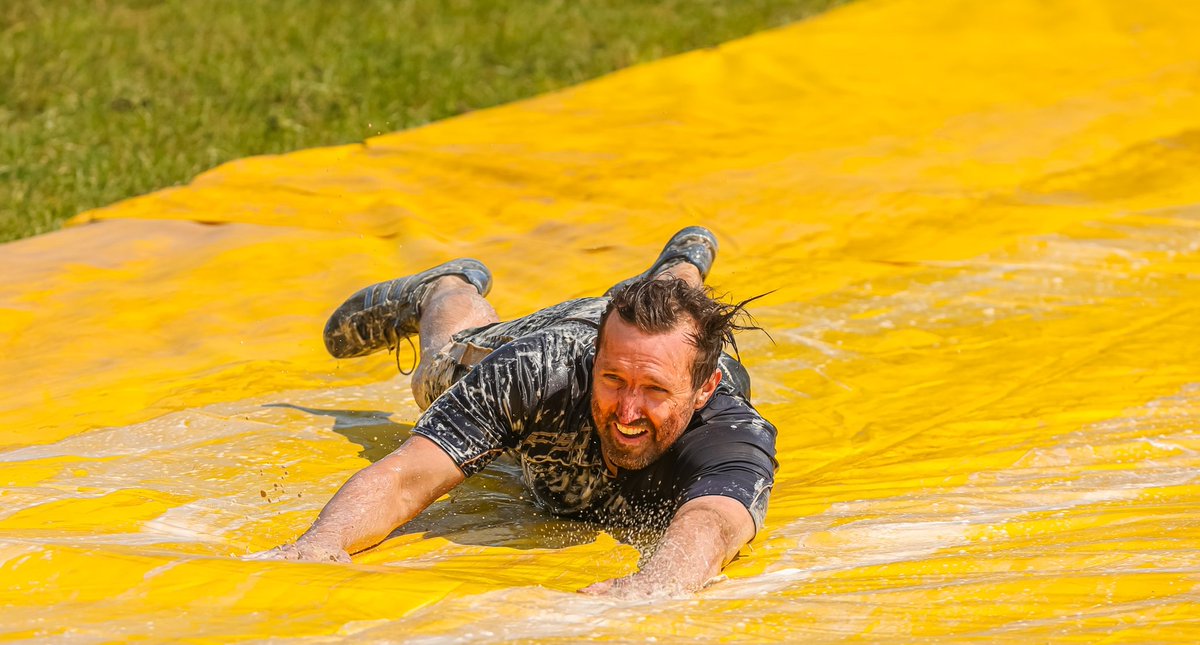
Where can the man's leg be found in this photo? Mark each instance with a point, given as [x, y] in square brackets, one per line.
[688, 255]
[684, 271]
[437, 303]
[450, 306]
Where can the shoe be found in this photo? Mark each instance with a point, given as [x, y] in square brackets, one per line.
[378, 316]
[695, 245]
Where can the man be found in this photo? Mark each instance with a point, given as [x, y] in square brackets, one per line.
[621, 409]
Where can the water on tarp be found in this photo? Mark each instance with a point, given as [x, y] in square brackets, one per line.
[981, 225]
[933, 470]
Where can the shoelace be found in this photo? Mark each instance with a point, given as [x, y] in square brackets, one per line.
[394, 347]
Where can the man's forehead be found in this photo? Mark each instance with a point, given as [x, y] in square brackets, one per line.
[684, 322]
[618, 330]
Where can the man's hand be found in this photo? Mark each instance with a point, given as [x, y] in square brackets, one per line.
[638, 586]
[704, 535]
[302, 549]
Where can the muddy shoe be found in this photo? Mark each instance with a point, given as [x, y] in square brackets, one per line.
[378, 316]
[695, 245]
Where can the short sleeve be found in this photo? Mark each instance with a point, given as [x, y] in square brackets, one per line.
[494, 405]
[731, 452]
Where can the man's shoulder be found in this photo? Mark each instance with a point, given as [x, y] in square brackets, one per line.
[532, 375]
[728, 418]
[563, 345]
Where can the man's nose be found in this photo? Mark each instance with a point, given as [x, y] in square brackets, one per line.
[629, 408]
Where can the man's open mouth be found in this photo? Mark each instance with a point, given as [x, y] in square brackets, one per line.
[630, 431]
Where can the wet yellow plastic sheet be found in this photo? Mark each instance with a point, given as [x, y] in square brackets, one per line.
[981, 221]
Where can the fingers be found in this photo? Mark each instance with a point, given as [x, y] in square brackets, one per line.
[628, 587]
[305, 552]
[638, 586]
[597, 589]
[285, 552]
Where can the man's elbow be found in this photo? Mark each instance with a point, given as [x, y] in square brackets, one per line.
[734, 527]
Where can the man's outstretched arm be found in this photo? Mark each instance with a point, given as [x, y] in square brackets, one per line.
[704, 535]
[375, 501]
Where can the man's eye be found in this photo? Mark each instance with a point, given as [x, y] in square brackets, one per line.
[659, 389]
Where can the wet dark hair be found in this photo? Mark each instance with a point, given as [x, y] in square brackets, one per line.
[659, 305]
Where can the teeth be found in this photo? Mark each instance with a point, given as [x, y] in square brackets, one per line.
[628, 431]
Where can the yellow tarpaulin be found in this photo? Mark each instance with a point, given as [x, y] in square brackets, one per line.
[981, 221]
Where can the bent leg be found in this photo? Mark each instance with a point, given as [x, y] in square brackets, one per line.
[451, 305]
[688, 255]
[685, 272]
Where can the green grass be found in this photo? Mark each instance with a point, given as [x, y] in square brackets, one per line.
[102, 100]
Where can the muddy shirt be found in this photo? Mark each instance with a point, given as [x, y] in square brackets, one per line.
[532, 396]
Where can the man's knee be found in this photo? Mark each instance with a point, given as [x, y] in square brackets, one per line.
[437, 372]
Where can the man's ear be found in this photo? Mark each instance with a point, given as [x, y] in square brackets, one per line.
[707, 388]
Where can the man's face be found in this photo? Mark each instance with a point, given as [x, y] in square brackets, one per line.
[642, 394]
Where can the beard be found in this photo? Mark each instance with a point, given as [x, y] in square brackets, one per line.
[657, 440]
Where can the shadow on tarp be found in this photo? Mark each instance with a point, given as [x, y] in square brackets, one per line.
[372, 429]
[491, 508]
